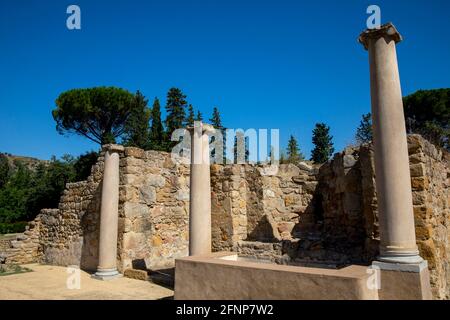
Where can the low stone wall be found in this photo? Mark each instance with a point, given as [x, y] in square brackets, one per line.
[69, 234]
[22, 248]
[5, 240]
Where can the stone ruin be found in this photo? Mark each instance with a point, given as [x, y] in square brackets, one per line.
[304, 215]
[155, 211]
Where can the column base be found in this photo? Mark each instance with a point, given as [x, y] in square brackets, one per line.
[106, 274]
[403, 281]
[401, 259]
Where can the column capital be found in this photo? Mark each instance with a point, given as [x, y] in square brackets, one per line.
[388, 31]
[113, 148]
[205, 127]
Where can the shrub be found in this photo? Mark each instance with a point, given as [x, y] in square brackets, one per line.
[14, 227]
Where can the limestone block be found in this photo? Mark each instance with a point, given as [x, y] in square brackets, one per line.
[136, 274]
[292, 199]
[349, 161]
[132, 210]
[155, 180]
[310, 186]
[417, 170]
[305, 166]
[419, 183]
[134, 152]
[147, 194]
[134, 241]
[182, 195]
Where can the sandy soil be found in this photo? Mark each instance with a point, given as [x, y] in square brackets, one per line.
[50, 283]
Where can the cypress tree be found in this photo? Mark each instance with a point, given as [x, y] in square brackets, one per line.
[199, 116]
[293, 152]
[190, 117]
[217, 124]
[175, 107]
[364, 131]
[215, 119]
[137, 126]
[156, 129]
[323, 143]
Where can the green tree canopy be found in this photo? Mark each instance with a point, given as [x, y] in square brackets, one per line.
[323, 144]
[83, 165]
[4, 170]
[427, 112]
[293, 151]
[14, 195]
[27, 191]
[364, 132]
[47, 185]
[137, 132]
[99, 114]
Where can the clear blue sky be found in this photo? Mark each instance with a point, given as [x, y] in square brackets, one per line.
[265, 64]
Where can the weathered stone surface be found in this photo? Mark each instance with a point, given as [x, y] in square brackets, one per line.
[148, 194]
[136, 274]
[133, 210]
[134, 152]
[155, 180]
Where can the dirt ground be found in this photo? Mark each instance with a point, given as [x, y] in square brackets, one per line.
[56, 283]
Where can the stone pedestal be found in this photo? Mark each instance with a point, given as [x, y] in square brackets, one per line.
[200, 191]
[398, 249]
[109, 215]
[403, 281]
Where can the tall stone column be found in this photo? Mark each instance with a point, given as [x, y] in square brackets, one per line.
[109, 215]
[398, 249]
[200, 191]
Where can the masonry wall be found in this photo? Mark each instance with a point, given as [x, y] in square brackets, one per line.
[300, 215]
[350, 222]
[153, 218]
[21, 248]
[69, 234]
[261, 203]
[153, 210]
[329, 216]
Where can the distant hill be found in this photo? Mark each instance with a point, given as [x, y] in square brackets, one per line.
[30, 163]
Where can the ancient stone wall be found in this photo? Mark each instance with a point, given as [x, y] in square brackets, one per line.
[67, 235]
[348, 196]
[430, 179]
[350, 221]
[153, 217]
[260, 203]
[153, 210]
[22, 248]
[294, 214]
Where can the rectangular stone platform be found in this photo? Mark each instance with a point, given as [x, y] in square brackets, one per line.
[223, 275]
